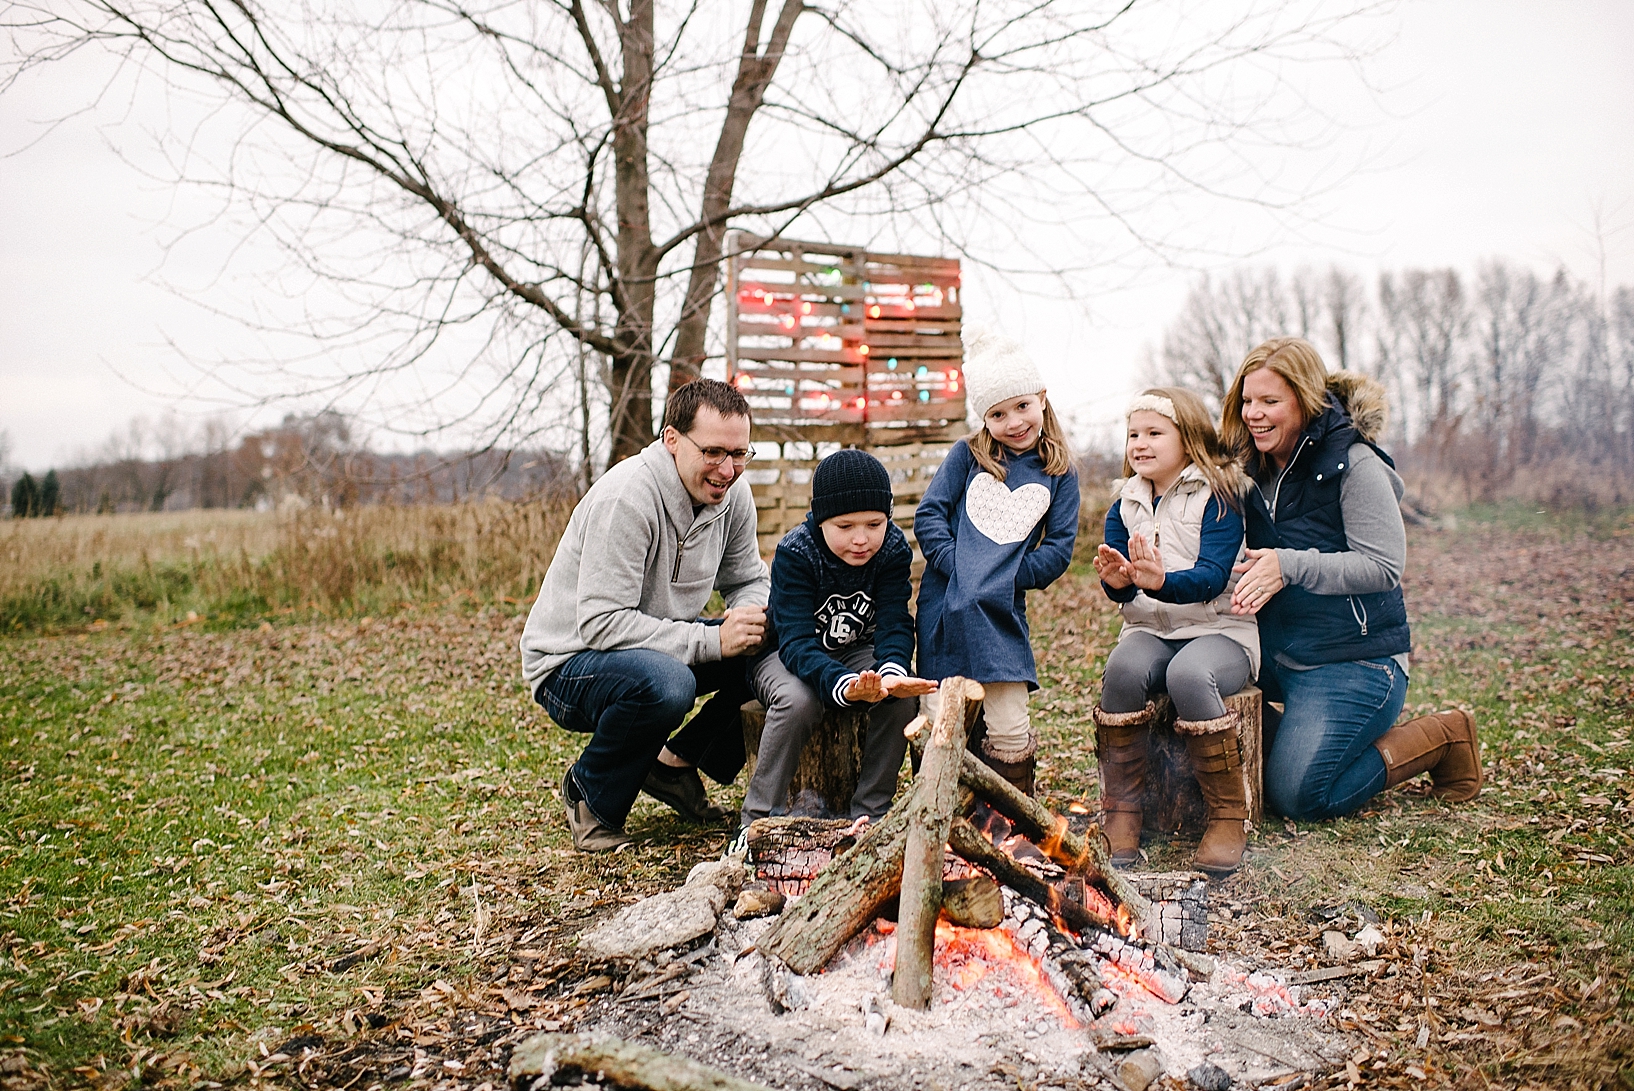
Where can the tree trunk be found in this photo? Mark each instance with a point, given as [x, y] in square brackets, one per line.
[935, 794]
[755, 72]
[635, 294]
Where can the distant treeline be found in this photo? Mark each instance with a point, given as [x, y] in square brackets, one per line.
[1504, 385]
[305, 460]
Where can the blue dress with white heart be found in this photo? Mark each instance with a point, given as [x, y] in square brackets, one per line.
[986, 544]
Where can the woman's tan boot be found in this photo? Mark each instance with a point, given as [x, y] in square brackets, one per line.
[1445, 744]
[1120, 749]
[1216, 758]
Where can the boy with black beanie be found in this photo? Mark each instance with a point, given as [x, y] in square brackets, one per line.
[838, 634]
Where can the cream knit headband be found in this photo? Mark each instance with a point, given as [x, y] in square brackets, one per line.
[1152, 403]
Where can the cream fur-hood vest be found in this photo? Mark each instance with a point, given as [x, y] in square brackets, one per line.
[1176, 528]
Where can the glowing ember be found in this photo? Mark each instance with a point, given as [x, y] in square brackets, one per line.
[969, 954]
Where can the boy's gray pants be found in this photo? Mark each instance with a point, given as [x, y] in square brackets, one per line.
[792, 710]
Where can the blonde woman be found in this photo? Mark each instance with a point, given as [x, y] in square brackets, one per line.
[1326, 549]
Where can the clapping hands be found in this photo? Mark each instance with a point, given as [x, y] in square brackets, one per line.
[1143, 568]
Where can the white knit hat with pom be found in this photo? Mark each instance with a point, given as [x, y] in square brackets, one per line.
[996, 370]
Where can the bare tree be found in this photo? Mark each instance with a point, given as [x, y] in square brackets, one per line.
[1221, 320]
[1427, 315]
[448, 163]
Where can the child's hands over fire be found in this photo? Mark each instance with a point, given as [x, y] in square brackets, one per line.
[871, 686]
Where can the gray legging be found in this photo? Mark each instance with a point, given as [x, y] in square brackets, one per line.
[1194, 673]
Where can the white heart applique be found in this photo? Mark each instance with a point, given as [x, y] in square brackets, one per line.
[1002, 514]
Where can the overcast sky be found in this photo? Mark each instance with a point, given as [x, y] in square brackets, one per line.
[1503, 129]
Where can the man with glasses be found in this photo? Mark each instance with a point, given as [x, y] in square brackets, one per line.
[614, 646]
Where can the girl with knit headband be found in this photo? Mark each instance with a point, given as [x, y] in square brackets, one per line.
[1173, 533]
[999, 520]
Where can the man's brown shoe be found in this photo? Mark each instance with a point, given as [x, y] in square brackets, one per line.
[589, 835]
[683, 791]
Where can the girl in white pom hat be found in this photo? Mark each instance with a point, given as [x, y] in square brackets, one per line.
[1173, 533]
[999, 520]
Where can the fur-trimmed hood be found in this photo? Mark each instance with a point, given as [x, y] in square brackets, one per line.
[1363, 400]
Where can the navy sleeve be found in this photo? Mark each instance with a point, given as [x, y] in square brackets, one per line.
[1216, 553]
[794, 614]
[893, 586]
[1117, 536]
[1043, 564]
[933, 522]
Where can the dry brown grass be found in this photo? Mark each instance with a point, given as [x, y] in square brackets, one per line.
[232, 566]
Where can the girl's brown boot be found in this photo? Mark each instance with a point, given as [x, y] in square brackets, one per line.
[1216, 758]
[1120, 749]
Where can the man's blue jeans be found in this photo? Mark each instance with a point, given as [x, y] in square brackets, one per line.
[630, 703]
[1323, 762]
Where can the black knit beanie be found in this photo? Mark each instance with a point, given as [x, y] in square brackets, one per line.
[848, 481]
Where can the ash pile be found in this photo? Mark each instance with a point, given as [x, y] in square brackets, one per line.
[969, 939]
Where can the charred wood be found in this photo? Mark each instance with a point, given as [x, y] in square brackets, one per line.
[970, 843]
[1085, 855]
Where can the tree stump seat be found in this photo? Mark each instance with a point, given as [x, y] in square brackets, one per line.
[830, 762]
[1173, 803]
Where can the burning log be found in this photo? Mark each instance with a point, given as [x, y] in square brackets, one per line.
[970, 843]
[934, 797]
[1048, 830]
[976, 902]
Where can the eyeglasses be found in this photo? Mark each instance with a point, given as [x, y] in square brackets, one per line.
[714, 456]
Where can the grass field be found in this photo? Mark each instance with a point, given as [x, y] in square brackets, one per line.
[228, 840]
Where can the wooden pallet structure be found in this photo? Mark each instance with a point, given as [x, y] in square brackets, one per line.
[835, 346]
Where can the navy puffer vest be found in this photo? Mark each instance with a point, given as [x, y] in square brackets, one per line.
[1301, 511]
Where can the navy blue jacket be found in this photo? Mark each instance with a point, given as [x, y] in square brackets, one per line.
[821, 605]
[1301, 511]
[1203, 582]
[986, 544]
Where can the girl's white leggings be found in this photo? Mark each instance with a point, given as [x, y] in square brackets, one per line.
[1009, 728]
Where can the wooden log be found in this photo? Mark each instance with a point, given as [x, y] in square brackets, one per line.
[1048, 830]
[830, 762]
[1173, 803]
[973, 845]
[975, 902]
[843, 897]
[559, 1058]
[935, 794]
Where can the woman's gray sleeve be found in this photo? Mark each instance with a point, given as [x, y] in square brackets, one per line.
[1370, 503]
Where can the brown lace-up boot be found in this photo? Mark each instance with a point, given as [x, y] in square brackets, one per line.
[1120, 749]
[1216, 757]
[1445, 744]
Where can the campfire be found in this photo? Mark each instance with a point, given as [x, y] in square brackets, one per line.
[969, 938]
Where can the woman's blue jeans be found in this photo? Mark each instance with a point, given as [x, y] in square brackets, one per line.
[630, 702]
[1323, 762]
